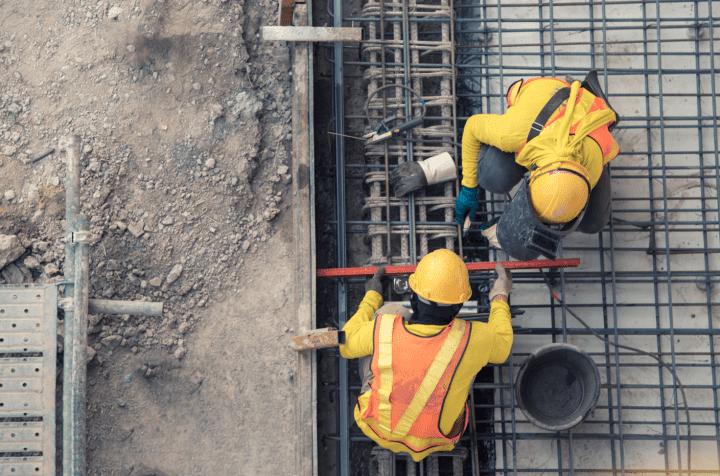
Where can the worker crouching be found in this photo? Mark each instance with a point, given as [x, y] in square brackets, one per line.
[561, 134]
[417, 368]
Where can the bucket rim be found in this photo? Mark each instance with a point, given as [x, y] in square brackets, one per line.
[546, 349]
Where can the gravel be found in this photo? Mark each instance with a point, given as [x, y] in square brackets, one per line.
[137, 229]
[173, 214]
[114, 12]
[112, 265]
[10, 249]
[174, 274]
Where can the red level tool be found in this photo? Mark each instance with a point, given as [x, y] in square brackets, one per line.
[488, 266]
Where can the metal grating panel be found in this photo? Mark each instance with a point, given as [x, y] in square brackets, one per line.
[21, 436]
[28, 353]
[24, 466]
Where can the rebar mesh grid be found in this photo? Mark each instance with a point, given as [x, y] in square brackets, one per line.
[649, 280]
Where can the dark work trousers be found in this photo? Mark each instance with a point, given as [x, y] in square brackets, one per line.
[497, 172]
[598, 208]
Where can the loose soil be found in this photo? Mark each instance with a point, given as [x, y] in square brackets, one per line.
[184, 116]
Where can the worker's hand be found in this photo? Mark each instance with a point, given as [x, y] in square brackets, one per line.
[466, 203]
[374, 284]
[406, 178]
[491, 235]
[503, 284]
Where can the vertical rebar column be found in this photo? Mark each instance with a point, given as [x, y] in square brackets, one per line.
[399, 94]
[375, 212]
[71, 145]
[417, 85]
[448, 112]
[408, 112]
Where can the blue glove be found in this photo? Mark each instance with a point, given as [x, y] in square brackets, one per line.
[466, 202]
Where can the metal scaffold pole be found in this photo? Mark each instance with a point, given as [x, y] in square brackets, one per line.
[75, 332]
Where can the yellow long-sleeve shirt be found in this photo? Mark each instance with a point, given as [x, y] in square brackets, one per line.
[508, 132]
[488, 343]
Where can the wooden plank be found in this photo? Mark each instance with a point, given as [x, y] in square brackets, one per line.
[318, 339]
[303, 222]
[310, 33]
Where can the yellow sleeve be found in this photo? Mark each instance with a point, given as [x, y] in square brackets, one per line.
[359, 329]
[502, 333]
[507, 132]
[489, 343]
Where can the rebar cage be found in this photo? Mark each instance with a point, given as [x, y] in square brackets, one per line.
[649, 280]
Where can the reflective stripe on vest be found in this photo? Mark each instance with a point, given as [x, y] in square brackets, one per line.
[602, 134]
[386, 372]
[378, 415]
[431, 380]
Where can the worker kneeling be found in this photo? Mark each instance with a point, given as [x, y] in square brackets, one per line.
[417, 368]
[561, 134]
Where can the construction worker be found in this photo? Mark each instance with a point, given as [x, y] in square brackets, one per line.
[561, 134]
[417, 368]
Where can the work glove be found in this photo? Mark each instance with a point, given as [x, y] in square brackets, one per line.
[411, 176]
[374, 284]
[406, 178]
[491, 235]
[467, 202]
[503, 284]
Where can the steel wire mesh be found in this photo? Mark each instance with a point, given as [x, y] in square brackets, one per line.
[649, 279]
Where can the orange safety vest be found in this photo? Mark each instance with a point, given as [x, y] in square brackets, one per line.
[601, 135]
[412, 375]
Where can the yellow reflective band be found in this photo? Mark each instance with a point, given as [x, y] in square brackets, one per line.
[432, 378]
[386, 372]
[613, 153]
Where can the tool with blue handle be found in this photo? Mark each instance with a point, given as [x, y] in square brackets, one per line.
[375, 137]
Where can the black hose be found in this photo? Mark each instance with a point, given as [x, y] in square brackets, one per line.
[412, 91]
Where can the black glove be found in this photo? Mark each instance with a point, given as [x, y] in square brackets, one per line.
[374, 284]
[406, 178]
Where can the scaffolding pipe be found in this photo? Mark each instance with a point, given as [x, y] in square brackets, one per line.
[78, 352]
[134, 308]
[71, 145]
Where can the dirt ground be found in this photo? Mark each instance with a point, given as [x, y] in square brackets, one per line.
[184, 116]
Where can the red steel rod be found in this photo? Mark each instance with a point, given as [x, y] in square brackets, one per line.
[487, 266]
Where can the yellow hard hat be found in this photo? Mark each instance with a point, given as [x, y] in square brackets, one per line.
[441, 277]
[558, 191]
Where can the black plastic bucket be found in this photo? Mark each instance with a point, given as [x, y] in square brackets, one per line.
[557, 387]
